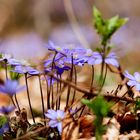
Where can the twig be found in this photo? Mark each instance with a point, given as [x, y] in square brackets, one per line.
[29, 134]
[92, 94]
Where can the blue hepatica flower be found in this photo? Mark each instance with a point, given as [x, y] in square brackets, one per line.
[110, 59]
[15, 62]
[133, 80]
[61, 67]
[6, 109]
[88, 56]
[56, 118]
[11, 87]
[77, 53]
[25, 69]
[51, 46]
[5, 57]
[4, 128]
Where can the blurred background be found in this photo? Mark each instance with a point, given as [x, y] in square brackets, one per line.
[27, 25]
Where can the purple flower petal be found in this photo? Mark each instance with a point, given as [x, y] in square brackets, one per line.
[129, 76]
[112, 61]
[131, 83]
[10, 87]
[60, 114]
[138, 87]
[51, 114]
[6, 109]
[91, 61]
[53, 123]
[3, 89]
[98, 61]
[4, 128]
[18, 89]
[59, 127]
[137, 76]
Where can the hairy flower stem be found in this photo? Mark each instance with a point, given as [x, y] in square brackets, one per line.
[57, 91]
[47, 86]
[69, 87]
[49, 91]
[137, 123]
[60, 89]
[17, 103]
[51, 85]
[75, 81]
[6, 71]
[104, 78]
[52, 106]
[91, 85]
[102, 65]
[29, 101]
[42, 101]
[13, 101]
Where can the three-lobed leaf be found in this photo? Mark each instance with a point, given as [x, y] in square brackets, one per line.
[106, 28]
[3, 121]
[99, 106]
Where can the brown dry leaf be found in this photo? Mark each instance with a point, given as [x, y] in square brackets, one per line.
[93, 138]
[70, 128]
[113, 130]
[127, 122]
[86, 126]
[133, 136]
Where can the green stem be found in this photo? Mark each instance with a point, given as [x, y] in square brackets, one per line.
[103, 80]
[103, 62]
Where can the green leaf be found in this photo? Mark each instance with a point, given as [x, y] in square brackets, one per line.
[99, 106]
[98, 49]
[1, 137]
[3, 120]
[99, 23]
[114, 24]
[137, 105]
[106, 28]
[15, 76]
[109, 48]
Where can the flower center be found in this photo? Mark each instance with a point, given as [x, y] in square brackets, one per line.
[88, 52]
[75, 56]
[138, 80]
[58, 48]
[59, 119]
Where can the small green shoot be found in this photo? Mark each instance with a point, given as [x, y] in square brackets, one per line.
[106, 28]
[100, 107]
